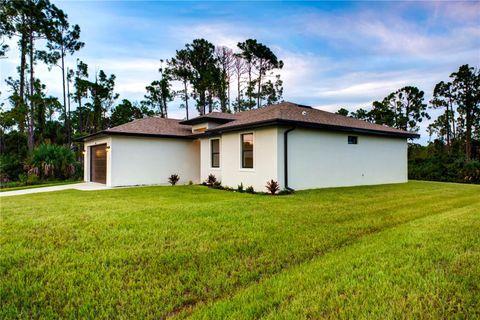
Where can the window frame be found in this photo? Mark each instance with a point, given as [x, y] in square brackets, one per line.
[355, 140]
[242, 168]
[212, 153]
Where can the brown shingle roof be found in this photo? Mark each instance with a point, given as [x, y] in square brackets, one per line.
[152, 126]
[285, 113]
[290, 113]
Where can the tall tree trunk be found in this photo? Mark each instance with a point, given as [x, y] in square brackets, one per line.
[162, 108]
[210, 102]
[66, 122]
[31, 139]
[186, 96]
[69, 122]
[228, 94]
[23, 67]
[250, 93]
[453, 119]
[103, 117]
[407, 115]
[448, 127]
[239, 93]
[259, 88]
[203, 102]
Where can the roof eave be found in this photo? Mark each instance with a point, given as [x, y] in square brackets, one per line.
[132, 134]
[279, 122]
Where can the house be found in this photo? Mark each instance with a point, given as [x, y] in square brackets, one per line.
[299, 146]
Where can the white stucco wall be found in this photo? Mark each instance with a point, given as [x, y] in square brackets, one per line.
[86, 158]
[319, 159]
[144, 160]
[230, 172]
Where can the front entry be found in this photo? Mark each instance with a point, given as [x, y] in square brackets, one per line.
[98, 163]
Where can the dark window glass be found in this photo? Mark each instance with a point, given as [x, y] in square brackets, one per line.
[215, 149]
[352, 140]
[247, 150]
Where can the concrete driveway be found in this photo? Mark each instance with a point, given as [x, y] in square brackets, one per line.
[84, 186]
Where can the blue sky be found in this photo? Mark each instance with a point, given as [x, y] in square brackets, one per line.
[336, 54]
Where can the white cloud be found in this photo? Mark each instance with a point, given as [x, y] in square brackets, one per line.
[390, 31]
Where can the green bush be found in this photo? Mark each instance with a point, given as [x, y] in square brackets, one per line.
[22, 178]
[240, 187]
[10, 168]
[211, 180]
[33, 179]
[250, 190]
[51, 161]
[471, 172]
[217, 185]
[437, 162]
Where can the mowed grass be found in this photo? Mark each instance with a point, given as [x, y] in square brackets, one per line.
[393, 251]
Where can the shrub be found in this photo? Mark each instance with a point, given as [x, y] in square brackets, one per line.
[11, 184]
[173, 179]
[211, 180]
[78, 171]
[33, 179]
[53, 161]
[190, 183]
[250, 190]
[217, 185]
[272, 186]
[240, 187]
[228, 189]
[471, 172]
[22, 178]
[10, 168]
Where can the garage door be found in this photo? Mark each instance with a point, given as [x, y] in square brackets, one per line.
[98, 164]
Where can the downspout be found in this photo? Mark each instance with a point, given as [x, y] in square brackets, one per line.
[285, 156]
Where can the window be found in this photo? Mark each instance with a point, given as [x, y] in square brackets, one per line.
[352, 140]
[215, 152]
[247, 150]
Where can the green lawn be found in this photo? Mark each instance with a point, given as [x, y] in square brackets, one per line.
[395, 251]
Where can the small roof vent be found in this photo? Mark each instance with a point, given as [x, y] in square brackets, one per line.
[304, 113]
